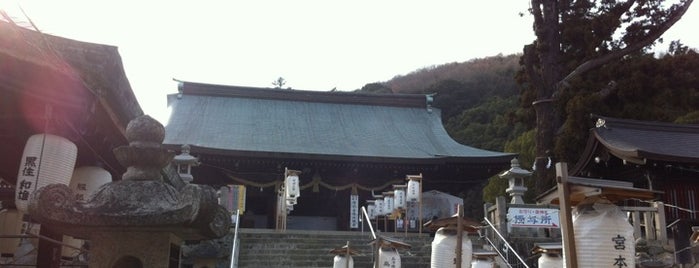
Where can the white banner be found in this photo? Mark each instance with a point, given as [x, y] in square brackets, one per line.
[354, 211]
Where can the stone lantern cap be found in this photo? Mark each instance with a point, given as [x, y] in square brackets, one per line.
[141, 201]
[515, 171]
[185, 157]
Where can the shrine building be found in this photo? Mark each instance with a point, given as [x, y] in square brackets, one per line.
[341, 143]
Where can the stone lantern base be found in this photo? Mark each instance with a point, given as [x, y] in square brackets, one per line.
[135, 249]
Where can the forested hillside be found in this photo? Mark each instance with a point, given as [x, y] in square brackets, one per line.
[478, 96]
[485, 106]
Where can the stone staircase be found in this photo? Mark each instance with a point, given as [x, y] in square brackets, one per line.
[297, 248]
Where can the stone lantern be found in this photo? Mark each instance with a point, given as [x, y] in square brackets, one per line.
[184, 162]
[515, 176]
[140, 220]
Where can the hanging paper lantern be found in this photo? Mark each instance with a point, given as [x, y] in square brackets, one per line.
[47, 159]
[399, 198]
[603, 236]
[379, 207]
[291, 187]
[388, 204]
[444, 249]
[413, 193]
[10, 224]
[371, 211]
[84, 183]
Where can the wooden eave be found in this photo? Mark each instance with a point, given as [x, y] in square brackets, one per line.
[582, 188]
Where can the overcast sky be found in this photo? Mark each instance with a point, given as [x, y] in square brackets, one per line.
[313, 45]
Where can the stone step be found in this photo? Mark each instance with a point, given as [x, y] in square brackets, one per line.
[293, 248]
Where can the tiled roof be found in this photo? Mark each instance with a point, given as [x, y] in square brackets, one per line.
[312, 124]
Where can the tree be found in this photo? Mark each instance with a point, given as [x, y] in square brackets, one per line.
[279, 83]
[574, 37]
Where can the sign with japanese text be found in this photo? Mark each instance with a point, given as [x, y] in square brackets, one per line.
[533, 217]
[354, 211]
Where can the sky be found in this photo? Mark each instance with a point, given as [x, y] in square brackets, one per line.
[312, 44]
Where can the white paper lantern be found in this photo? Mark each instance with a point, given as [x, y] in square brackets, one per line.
[399, 198]
[413, 192]
[86, 180]
[47, 159]
[389, 256]
[388, 204]
[291, 187]
[371, 211]
[482, 263]
[444, 249]
[341, 262]
[551, 261]
[379, 207]
[603, 237]
[84, 183]
[10, 224]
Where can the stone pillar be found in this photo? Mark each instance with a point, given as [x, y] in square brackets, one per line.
[152, 249]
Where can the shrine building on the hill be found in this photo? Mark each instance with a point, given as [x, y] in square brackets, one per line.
[342, 143]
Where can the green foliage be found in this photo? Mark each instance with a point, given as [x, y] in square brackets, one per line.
[375, 87]
[485, 108]
[487, 126]
[641, 87]
[690, 118]
[496, 187]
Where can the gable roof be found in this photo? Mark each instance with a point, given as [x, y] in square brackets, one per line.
[267, 122]
[639, 141]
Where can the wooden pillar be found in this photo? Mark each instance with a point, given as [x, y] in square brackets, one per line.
[459, 233]
[650, 225]
[660, 222]
[49, 253]
[567, 231]
[636, 215]
[501, 216]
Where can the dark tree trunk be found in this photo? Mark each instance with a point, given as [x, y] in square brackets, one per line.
[547, 30]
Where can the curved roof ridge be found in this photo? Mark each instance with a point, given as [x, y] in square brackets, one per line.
[647, 125]
[345, 97]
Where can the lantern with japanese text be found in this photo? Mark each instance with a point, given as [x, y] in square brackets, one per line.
[378, 203]
[389, 257]
[603, 236]
[47, 159]
[388, 202]
[413, 192]
[84, 182]
[371, 209]
[10, 224]
[399, 197]
[291, 187]
[444, 249]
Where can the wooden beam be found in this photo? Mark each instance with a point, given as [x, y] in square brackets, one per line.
[459, 233]
[566, 220]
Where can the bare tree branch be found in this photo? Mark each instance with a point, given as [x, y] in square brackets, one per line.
[649, 39]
